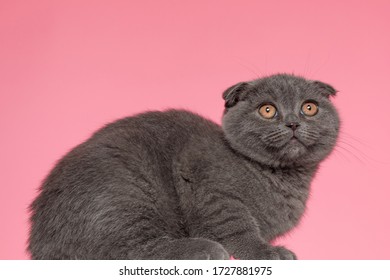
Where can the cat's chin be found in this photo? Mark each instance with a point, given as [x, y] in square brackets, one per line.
[293, 149]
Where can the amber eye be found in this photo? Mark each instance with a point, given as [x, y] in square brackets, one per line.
[309, 108]
[267, 111]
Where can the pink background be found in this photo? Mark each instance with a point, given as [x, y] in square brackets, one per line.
[68, 67]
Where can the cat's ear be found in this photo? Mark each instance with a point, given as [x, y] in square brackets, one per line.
[325, 89]
[234, 94]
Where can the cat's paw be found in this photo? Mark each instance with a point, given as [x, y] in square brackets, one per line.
[278, 253]
[273, 253]
[209, 250]
[194, 249]
[284, 254]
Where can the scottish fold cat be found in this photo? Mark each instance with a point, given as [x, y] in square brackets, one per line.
[174, 185]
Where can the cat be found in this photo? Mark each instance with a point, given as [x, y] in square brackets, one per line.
[174, 185]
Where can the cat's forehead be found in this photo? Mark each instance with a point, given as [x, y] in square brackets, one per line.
[282, 85]
[284, 88]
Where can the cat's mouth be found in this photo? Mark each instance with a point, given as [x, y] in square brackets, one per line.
[294, 140]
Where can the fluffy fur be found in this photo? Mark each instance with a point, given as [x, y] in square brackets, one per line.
[173, 185]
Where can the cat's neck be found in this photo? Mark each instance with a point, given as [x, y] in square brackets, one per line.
[266, 162]
[293, 169]
[304, 173]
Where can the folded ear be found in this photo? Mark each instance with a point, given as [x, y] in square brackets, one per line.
[324, 89]
[234, 94]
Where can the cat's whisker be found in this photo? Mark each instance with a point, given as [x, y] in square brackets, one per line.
[340, 154]
[353, 147]
[273, 133]
[343, 140]
[321, 65]
[275, 138]
[310, 136]
[250, 69]
[352, 154]
[306, 66]
[349, 136]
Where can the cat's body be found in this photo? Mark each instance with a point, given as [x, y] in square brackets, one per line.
[173, 185]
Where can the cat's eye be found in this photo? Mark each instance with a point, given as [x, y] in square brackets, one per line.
[309, 108]
[268, 111]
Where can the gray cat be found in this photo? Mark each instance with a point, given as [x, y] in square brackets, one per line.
[173, 185]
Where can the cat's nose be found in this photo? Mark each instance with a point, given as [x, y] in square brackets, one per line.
[292, 121]
[293, 125]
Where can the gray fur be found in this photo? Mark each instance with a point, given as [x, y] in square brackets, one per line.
[173, 185]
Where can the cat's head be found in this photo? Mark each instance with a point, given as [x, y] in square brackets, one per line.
[281, 120]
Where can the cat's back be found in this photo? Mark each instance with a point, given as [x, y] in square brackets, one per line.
[144, 144]
[156, 135]
[167, 128]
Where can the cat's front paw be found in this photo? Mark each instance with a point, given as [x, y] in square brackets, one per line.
[209, 250]
[284, 254]
[274, 253]
[193, 249]
[265, 252]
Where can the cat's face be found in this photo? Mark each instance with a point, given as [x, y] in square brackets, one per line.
[281, 120]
